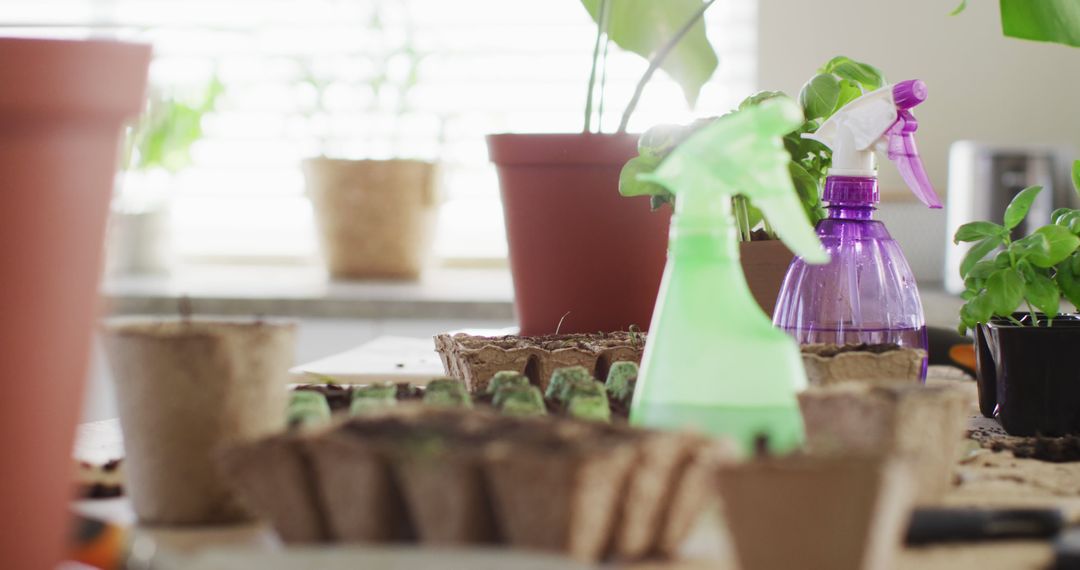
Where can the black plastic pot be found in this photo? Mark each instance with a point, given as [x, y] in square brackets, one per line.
[1029, 378]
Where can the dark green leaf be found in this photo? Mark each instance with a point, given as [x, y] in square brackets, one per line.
[1002, 260]
[643, 26]
[1041, 292]
[1056, 217]
[1005, 289]
[658, 200]
[1068, 279]
[977, 252]
[982, 269]
[818, 97]
[1055, 21]
[977, 310]
[1034, 246]
[1020, 205]
[807, 187]
[974, 231]
[1061, 244]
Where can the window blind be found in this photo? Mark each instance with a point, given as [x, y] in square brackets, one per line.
[374, 79]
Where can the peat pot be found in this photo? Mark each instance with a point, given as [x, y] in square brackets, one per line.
[63, 105]
[581, 254]
[1028, 378]
[375, 218]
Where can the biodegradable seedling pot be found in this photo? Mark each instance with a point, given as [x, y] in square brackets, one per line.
[922, 424]
[62, 109]
[186, 389]
[1030, 375]
[274, 478]
[765, 263]
[817, 513]
[375, 218]
[558, 500]
[828, 364]
[578, 249]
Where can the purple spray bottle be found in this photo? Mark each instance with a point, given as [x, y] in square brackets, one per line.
[866, 293]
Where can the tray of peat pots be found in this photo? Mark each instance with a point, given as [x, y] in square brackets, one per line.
[845, 511]
[1027, 374]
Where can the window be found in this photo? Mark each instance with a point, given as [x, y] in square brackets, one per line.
[481, 66]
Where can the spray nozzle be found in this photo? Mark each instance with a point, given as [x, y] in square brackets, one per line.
[741, 153]
[879, 120]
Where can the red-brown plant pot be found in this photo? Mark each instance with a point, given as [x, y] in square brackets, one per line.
[62, 107]
[577, 247]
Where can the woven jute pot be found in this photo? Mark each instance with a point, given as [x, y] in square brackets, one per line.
[375, 218]
[62, 109]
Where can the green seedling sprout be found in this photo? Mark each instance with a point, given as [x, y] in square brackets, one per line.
[373, 397]
[562, 378]
[520, 401]
[505, 378]
[307, 407]
[447, 392]
[621, 378]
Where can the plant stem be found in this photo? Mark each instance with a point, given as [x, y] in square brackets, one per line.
[1031, 311]
[742, 217]
[658, 60]
[603, 87]
[601, 29]
[768, 228]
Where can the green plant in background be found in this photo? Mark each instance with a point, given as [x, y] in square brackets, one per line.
[1036, 270]
[164, 135]
[669, 33]
[1056, 21]
[836, 84]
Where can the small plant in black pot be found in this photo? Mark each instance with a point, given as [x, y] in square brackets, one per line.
[1028, 378]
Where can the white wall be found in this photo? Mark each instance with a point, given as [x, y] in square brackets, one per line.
[982, 85]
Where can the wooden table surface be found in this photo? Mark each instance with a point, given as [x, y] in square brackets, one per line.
[984, 479]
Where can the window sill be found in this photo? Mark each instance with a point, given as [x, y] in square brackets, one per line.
[306, 291]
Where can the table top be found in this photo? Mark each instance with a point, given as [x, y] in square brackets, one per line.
[984, 479]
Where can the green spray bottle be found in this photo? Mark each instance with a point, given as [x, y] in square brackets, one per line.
[713, 361]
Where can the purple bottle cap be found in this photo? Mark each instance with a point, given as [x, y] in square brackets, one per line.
[908, 94]
[850, 190]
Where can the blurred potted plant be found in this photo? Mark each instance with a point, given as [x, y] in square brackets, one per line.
[582, 259]
[157, 148]
[765, 259]
[1025, 360]
[375, 218]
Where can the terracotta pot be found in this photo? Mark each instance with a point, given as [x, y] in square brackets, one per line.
[185, 390]
[577, 247]
[1028, 377]
[765, 264]
[376, 218]
[62, 106]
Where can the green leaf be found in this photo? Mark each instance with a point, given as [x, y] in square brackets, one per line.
[1005, 289]
[866, 75]
[1020, 205]
[977, 252]
[758, 97]
[1057, 215]
[807, 187]
[1030, 247]
[631, 185]
[849, 91]
[1055, 21]
[1041, 292]
[1061, 243]
[957, 10]
[977, 310]
[975, 231]
[819, 96]
[982, 270]
[1068, 279]
[1076, 176]
[658, 141]
[643, 26]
